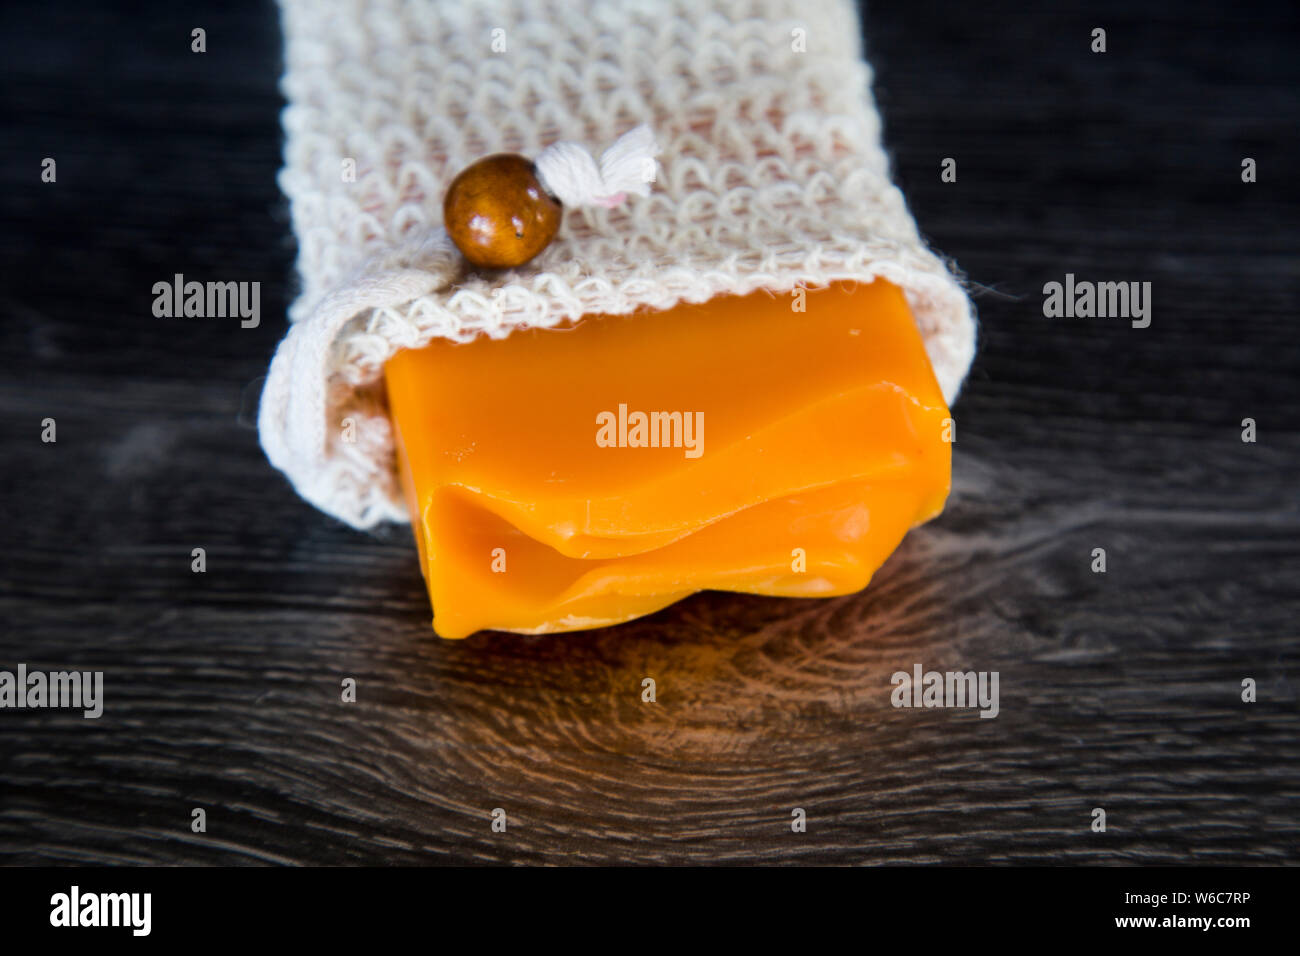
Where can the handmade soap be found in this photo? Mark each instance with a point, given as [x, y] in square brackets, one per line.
[569, 478]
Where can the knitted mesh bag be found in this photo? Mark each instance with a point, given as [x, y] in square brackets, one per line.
[771, 176]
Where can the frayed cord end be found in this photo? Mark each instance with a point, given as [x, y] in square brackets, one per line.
[570, 174]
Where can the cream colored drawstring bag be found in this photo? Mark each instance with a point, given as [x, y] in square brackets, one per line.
[771, 176]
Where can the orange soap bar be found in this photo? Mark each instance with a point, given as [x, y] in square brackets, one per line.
[569, 478]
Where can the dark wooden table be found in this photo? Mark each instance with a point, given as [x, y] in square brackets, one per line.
[1119, 690]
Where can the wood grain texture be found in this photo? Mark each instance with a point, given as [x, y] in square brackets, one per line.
[1118, 690]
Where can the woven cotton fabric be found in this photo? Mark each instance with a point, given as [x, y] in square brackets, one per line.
[772, 176]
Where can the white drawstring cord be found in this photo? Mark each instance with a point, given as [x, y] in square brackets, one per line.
[569, 173]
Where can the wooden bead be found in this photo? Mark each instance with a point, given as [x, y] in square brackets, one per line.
[498, 214]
